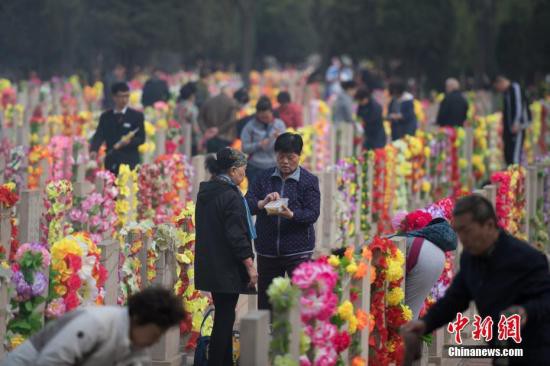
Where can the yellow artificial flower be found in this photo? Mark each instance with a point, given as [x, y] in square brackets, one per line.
[394, 271]
[352, 328]
[395, 296]
[407, 312]
[10, 186]
[426, 186]
[351, 268]
[16, 341]
[462, 163]
[345, 311]
[334, 261]
[60, 290]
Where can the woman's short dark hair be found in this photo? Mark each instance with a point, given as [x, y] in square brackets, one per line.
[120, 87]
[350, 84]
[241, 96]
[188, 90]
[362, 93]
[397, 87]
[158, 306]
[225, 159]
[289, 142]
[263, 104]
[283, 97]
[478, 206]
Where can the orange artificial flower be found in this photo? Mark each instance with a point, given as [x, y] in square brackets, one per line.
[361, 270]
[372, 274]
[363, 319]
[358, 361]
[367, 254]
[349, 252]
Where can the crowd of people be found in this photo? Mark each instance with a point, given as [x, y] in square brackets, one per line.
[249, 244]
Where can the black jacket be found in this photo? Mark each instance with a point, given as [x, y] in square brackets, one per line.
[453, 110]
[513, 274]
[222, 239]
[371, 116]
[516, 108]
[110, 130]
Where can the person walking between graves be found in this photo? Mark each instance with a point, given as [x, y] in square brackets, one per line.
[342, 110]
[218, 120]
[224, 260]
[453, 110]
[286, 237]
[122, 130]
[103, 335]
[155, 89]
[291, 113]
[258, 139]
[370, 113]
[516, 116]
[401, 111]
[187, 114]
[505, 277]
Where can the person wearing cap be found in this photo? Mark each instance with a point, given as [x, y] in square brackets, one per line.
[285, 239]
[502, 275]
[224, 260]
[121, 129]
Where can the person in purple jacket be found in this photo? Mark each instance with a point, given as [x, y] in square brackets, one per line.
[287, 239]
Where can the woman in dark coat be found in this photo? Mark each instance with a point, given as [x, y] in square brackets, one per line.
[224, 261]
[370, 113]
[401, 111]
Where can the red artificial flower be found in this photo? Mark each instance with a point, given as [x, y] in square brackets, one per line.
[8, 198]
[74, 282]
[342, 341]
[73, 261]
[71, 300]
[417, 220]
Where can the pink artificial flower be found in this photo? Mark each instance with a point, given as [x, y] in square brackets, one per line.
[304, 361]
[56, 308]
[324, 334]
[325, 356]
[397, 219]
[305, 275]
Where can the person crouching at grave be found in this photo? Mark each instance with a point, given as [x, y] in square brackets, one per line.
[508, 280]
[122, 129]
[286, 237]
[103, 335]
[224, 260]
[425, 261]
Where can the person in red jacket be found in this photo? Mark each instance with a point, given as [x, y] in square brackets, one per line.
[290, 113]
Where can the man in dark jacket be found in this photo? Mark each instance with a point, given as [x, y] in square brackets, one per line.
[503, 275]
[370, 113]
[516, 116]
[155, 90]
[121, 129]
[287, 239]
[453, 110]
[218, 120]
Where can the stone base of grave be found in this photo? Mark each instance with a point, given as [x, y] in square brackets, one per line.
[177, 360]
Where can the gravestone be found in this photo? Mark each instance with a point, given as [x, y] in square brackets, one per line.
[254, 337]
[110, 250]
